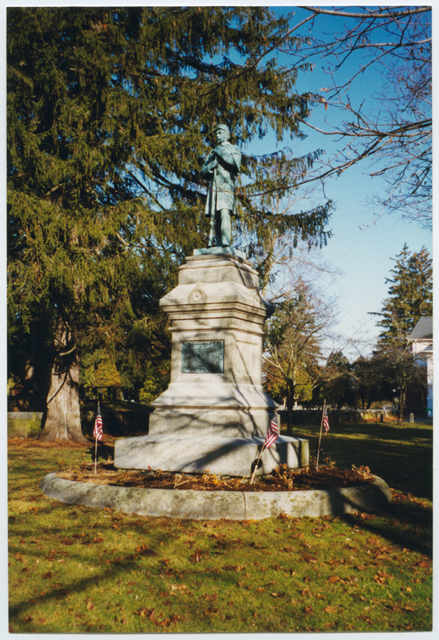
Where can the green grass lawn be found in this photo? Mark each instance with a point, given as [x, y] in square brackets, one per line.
[402, 456]
[73, 569]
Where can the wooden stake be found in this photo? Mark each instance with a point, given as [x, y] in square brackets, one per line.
[256, 465]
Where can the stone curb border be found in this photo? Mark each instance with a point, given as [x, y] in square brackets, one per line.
[213, 505]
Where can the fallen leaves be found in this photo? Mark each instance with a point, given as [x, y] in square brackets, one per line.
[331, 609]
[344, 581]
[210, 598]
[67, 541]
[381, 577]
[150, 615]
[306, 557]
[237, 568]
[145, 551]
[198, 555]
[178, 587]
[373, 541]
[287, 480]
[317, 549]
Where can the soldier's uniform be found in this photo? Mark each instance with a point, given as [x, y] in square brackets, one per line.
[221, 167]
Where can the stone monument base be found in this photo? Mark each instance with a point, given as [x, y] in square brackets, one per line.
[214, 415]
[219, 409]
[199, 454]
[220, 251]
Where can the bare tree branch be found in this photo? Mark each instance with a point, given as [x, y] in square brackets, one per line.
[369, 14]
[395, 129]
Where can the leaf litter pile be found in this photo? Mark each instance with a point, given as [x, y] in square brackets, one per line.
[327, 476]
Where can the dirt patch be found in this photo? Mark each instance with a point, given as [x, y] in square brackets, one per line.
[282, 479]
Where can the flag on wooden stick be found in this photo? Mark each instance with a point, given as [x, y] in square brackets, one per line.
[270, 438]
[97, 431]
[324, 424]
[325, 419]
[272, 435]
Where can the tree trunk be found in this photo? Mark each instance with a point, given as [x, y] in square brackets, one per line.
[401, 406]
[290, 403]
[63, 419]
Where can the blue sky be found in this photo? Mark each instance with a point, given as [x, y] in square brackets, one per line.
[363, 245]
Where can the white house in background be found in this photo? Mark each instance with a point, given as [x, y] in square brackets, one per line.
[422, 345]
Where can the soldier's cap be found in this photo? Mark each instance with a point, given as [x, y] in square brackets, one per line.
[222, 126]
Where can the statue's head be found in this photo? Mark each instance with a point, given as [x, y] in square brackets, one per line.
[222, 131]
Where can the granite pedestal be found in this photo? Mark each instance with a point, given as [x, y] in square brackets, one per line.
[215, 414]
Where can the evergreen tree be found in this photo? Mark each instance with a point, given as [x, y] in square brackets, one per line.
[410, 296]
[109, 112]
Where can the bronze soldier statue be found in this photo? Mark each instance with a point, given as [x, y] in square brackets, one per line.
[221, 167]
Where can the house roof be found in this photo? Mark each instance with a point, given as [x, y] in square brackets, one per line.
[423, 329]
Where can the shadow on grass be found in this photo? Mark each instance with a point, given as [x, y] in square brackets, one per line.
[408, 527]
[401, 456]
[151, 561]
[389, 524]
[386, 431]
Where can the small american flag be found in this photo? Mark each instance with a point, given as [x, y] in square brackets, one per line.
[97, 431]
[325, 419]
[273, 433]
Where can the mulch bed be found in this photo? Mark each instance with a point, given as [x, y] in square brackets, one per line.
[282, 479]
[327, 476]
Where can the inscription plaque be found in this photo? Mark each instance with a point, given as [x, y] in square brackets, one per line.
[202, 357]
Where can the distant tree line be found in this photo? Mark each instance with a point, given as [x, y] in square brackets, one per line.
[296, 373]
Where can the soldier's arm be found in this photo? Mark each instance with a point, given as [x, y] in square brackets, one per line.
[209, 165]
[230, 157]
